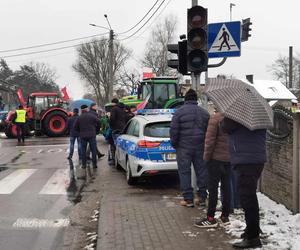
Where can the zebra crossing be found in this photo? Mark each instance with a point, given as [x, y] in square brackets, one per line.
[55, 185]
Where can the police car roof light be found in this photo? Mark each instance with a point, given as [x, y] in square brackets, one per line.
[155, 111]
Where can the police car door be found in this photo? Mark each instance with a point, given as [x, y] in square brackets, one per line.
[128, 142]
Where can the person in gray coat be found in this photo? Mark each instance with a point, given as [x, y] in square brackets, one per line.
[187, 134]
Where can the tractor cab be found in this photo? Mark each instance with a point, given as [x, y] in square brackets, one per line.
[39, 103]
[162, 93]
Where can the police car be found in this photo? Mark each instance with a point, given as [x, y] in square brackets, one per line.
[144, 148]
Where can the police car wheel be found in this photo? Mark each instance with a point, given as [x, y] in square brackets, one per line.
[117, 165]
[130, 180]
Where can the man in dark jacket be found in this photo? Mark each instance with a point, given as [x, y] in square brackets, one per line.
[247, 154]
[117, 122]
[93, 111]
[187, 134]
[87, 125]
[74, 135]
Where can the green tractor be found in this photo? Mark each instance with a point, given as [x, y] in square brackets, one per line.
[161, 92]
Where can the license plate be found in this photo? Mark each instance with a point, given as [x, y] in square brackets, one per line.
[171, 157]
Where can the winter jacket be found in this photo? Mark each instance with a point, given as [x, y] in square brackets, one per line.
[128, 116]
[188, 126]
[94, 112]
[216, 141]
[87, 125]
[117, 119]
[70, 126]
[245, 146]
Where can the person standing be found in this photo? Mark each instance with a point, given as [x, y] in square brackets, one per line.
[128, 114]
[87, 125]
[187, 134]
[20, 121]
[74, 135]
[216, 154]
[93, 111]
[247, 155]
[117, 122]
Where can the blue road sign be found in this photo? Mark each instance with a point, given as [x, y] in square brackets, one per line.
[224, 39]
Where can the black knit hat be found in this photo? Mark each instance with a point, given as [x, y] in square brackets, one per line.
[75, 110]
[83, 106]
[93, 104]
[115, 100]
[191, 95]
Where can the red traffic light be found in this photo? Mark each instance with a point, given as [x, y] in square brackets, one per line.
[197, 17]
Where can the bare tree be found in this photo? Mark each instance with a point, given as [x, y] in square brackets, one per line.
[129, 80]
[44, 73]
[280, 70]
[156, 54]
[93, 62]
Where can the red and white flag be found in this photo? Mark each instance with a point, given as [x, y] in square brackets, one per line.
[65, 94]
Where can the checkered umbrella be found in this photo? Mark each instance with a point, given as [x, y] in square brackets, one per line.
[240, 102]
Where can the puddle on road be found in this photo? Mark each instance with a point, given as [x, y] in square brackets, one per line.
[12, 161]
[78, 182]
[3, 168]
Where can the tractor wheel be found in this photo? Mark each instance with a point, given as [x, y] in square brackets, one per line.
[55, 124]
[11, 131]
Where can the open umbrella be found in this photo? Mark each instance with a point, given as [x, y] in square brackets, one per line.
[240, 102]
[77, 103]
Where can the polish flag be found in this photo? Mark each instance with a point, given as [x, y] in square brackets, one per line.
[143, 104]
[65, 94]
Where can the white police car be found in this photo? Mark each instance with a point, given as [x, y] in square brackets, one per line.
[144, 148]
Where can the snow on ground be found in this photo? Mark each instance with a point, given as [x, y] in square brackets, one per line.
[281, 229]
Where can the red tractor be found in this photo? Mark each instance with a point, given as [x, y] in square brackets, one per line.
[46, 114]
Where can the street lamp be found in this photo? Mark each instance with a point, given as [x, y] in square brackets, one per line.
[231, 5]
[99, 26]
[111, 56]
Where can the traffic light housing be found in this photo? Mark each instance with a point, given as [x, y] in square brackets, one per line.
[197, 52]
[246, 23]
[180, 49]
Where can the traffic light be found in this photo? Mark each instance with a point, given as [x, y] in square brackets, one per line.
[197, 58]
[180, 49]
[246, 29]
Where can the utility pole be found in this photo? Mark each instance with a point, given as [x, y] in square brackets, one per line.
[111, 65]
[111, 61]
[291, 67]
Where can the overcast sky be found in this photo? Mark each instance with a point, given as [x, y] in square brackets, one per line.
[33, 22]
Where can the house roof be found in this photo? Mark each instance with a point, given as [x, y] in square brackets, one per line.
[272, 90]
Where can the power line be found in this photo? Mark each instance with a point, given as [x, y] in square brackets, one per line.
[144, 23]
[43, 51]
[140, 20]
[48, 44]
[139, 36]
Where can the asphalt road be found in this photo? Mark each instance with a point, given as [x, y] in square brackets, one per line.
[38, 190]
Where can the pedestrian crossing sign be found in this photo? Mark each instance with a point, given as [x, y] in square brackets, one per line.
[224, 39]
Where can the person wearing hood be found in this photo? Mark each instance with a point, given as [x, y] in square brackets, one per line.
[187, 134]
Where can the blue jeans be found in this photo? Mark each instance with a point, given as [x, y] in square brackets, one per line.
[93, 146]
[185, 158]
[72, 143]
[234, 198]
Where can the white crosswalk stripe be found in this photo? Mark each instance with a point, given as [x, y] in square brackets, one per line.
[57, 183]
[11, 182]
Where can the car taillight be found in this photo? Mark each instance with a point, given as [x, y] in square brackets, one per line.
[148, 144]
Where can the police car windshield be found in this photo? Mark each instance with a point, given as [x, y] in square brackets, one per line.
[159, 129]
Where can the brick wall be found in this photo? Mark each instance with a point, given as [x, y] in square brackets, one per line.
[276, 180]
